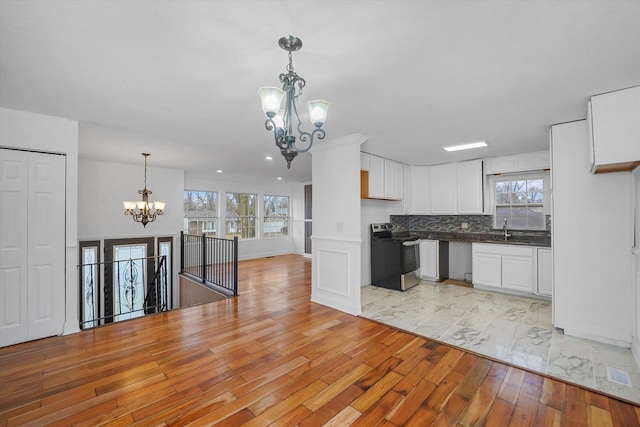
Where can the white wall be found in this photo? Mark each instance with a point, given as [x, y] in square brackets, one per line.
[636, 271]
[260, 247]
[592, 240]
[103, 186]
[336, 266]
[30, 131]
[373, 211]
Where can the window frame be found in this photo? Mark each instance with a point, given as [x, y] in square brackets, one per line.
[231, 217]
[205, 218]
[266, 216]
[520, 176]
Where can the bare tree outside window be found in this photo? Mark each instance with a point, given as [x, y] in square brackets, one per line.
[241, 217]
[521, 202]
[201, 212]
[276, 216]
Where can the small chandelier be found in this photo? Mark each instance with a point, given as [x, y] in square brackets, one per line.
[280, 121]
[142, 211]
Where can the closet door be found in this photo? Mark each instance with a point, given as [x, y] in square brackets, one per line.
[14, 180]
[32, 244]
[46, 230]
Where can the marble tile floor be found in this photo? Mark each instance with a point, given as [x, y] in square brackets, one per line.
[514, 329]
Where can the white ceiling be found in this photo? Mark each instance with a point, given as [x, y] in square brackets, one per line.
[179, 78]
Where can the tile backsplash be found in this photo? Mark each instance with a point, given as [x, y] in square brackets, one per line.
[477, 223]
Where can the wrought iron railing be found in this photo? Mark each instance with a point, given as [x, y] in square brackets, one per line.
[137, 287]
[212, 260]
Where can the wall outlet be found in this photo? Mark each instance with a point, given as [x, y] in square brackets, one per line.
[464, 225]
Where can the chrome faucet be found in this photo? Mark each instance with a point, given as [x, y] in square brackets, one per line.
[504, 227]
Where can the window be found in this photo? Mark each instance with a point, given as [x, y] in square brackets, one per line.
[201, 212]
[241, 215]
[276, 216]
[520, 201]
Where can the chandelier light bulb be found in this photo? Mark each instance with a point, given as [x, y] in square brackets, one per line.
[271, 99]
[318, 111]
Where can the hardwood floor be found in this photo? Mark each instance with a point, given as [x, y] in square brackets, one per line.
[271, 357]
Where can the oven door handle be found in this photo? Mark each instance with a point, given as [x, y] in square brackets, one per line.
[411, 243]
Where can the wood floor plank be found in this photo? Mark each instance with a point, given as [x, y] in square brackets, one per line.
[270, 356]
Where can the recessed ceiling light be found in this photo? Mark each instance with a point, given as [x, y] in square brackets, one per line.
[219, 171]
[279, 178]
[466, 146]
[268, 158]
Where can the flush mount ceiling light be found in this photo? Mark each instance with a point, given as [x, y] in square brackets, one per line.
[279, 120]
[142, 211]
[466, 146]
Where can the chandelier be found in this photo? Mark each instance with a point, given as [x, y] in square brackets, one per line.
[142, 211]
[279, 120]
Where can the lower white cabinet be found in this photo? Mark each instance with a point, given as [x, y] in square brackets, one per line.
[504, 266]
[545, 271]
[434, 260]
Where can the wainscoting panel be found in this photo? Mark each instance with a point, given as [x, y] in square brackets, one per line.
[336, 274]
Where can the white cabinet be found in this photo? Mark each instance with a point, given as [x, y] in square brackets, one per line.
[406, 189]
[376, 177]
[469, 186]
[392, 180]
[545, 271]
[365, 161]
[429, 259]
[443, 189]
[615, 130]
[434, 260]
[487, 269]
[384, 177]
[518, 163]
[517, 272]
[419, 199]
[504, 266]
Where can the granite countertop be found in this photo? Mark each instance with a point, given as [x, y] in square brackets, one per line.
[497, 236]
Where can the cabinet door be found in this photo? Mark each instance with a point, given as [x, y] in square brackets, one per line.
[429, 259]
[365, 161]
[406, 189]
[616, 128]
[469, 182]
[443, 189]
[487, 269]
[534, 161]
[420, 190]
[397, 180]
[389, 179]
[545, 272]
[504, 164]
[376, 177]
[517, 273]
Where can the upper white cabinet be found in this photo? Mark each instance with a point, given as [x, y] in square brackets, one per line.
[392, 180]
[406, 189]
[443, 189]
[365, 161]
[376, 177]
[469, 185]
[517, 163]
[615, 130]
[420, 194]
[384, 177]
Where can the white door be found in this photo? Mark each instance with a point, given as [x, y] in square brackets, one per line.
[14, 178]
[32, 244]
